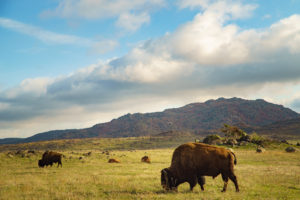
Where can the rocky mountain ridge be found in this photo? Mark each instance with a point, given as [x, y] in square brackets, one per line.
[196, 118]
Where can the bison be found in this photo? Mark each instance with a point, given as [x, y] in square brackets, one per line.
[192, 161]
[113, 160]
[145, 159]
[50, 157]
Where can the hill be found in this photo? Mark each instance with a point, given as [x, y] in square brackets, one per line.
[287, 127]
[197, 118]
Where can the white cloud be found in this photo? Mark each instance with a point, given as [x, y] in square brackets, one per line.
[234, 8]
[45, 36]
[97, 9]
[206, 40]
[131, 14]
[49, 37]
[132, 22]
[284, 34]
[35, 87]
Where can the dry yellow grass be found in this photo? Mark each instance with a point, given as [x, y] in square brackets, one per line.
[270, 175]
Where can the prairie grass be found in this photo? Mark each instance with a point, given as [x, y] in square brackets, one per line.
[273, 174]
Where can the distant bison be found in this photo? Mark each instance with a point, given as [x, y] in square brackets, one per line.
[290, 149]
[145, 159]
[192, 161]
[112, 160]
[50, 157]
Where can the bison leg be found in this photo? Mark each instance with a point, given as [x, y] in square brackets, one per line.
[225, 179]
[192, 182]
[59, 163]
[234, 180]
[201, 181]
[192, 185]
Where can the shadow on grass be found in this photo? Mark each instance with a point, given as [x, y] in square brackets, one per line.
[294, 188]
[147, 192]
[136, 192]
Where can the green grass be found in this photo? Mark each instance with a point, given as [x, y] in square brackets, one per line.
[273, 174]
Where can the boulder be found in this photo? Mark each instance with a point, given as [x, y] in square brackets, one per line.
[260, 150]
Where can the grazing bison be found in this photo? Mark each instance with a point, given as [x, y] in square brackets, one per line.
[50, 157]
[145, 159]
[192, 161]
[112, 160]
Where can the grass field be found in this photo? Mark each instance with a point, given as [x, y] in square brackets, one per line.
[273, 174]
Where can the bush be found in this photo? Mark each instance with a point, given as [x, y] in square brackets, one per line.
[233, 132]
[256, 139]
[212, 139]
[245, 138]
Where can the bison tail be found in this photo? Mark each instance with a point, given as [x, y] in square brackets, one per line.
[234, 157]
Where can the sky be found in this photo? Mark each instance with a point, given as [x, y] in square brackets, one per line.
[68, 64]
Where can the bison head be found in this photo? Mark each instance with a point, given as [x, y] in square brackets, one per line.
[41, 163]
[168, 180]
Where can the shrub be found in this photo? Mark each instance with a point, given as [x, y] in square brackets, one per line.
[212, 139]
[256, 139]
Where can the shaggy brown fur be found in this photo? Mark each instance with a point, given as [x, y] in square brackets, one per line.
[192, 161]
[112, 160]
[145, 159]
[50, 157]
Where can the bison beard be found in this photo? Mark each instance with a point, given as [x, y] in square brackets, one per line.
[192, 161]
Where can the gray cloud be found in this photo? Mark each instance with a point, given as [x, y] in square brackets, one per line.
[295, 104]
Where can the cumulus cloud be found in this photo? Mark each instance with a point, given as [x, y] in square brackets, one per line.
[131, 14]
[225, 8]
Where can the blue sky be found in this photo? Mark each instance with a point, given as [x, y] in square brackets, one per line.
[75, 63]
